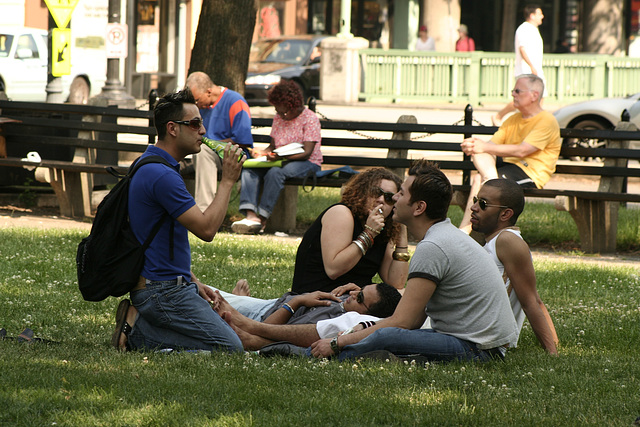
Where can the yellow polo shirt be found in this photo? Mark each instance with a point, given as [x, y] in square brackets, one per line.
[543, 132]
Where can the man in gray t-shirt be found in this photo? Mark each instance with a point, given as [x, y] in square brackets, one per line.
[451, 279]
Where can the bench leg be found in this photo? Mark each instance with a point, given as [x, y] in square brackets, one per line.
[597, 222]
[283, 217]
[73, 200]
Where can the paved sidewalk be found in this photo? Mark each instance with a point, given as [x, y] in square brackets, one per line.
[21, 219]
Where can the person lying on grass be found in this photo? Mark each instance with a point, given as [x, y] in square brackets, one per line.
[294, 318]
[312, 306]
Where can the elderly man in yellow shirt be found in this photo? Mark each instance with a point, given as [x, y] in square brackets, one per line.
[525, 148]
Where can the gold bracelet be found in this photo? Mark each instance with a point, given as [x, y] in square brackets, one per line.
[401, 256]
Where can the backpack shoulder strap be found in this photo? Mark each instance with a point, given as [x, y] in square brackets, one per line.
[137, 164]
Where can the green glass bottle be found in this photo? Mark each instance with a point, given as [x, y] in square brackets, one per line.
[218, 147]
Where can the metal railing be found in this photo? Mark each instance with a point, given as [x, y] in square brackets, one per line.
[480, 77]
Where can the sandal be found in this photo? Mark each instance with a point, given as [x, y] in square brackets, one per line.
[27, 336]
[122, 327]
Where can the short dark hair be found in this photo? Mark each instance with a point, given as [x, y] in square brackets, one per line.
[389, 299]
[286, 93]
[432, 186]
[529, 9]
[511, 195]
[170, 107]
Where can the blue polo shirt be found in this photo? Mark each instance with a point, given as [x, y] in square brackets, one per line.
[229, 117]
[156, 189]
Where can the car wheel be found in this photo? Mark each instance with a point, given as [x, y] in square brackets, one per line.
[588, 124]
[78, 91]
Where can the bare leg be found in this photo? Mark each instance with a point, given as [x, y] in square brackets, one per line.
[242, 288]
[497, 119]
[249, 341]
[486, 167]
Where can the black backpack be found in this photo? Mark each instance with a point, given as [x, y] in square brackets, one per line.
[110, 259]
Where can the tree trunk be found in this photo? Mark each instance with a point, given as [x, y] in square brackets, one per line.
[509, 13]
[223, 41]
[602, 27]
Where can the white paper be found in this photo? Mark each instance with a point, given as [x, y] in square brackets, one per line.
[289, 149]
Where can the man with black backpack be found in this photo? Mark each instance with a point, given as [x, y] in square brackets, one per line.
[168, 309]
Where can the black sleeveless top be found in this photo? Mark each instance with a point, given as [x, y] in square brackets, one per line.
[309, 274]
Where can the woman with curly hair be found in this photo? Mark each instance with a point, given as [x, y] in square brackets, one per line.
[353, 240]
[292, 123]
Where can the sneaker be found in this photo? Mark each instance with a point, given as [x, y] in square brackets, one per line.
[246, 226]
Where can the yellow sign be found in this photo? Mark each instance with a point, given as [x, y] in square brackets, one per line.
[60, 52]
[61, 11]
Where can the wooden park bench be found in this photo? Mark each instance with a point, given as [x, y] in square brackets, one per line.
[78, 141]
[594, 212]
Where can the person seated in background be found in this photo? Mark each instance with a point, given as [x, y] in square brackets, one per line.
[368, 305]
[355, 239]
[293, 122]
[525, 148]
[494, 214]
[227, 118]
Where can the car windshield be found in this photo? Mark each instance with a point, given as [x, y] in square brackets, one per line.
[5, 44]
[280, 50]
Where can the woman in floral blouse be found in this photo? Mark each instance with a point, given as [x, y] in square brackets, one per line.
[293, 123]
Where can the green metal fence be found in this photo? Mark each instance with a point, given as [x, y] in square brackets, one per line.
[484, 77]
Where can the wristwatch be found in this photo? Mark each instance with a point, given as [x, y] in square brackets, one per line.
[334, 345]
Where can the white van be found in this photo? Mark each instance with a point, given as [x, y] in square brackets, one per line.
[23, 68]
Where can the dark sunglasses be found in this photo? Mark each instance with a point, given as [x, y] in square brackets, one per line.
[388, 196]
[519, 91]
[360, 300]
[484, 205]
[194, 124]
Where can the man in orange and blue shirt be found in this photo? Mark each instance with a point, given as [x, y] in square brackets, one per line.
[226, 116]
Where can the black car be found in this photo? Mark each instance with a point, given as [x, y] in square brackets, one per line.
[295, 58]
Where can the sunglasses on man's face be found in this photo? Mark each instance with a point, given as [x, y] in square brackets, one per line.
[360, 299]
[388, 196]
[194, 124]
[484, 205]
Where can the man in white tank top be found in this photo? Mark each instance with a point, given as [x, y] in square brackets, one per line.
[494, 214]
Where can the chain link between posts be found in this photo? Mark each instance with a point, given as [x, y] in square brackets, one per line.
[413, 138]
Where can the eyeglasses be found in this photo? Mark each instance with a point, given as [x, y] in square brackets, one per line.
[360, 300]
[484, 205]
[194, 124]
[519, 91]
[388, 196]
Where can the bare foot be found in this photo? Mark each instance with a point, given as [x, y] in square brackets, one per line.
[249, 341]
[242, 288]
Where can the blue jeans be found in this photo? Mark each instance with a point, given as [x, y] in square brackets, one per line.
[427, 343]
[253, 308]
[173, 315]
[273, 178]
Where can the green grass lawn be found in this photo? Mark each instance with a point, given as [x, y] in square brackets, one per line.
[82, 381]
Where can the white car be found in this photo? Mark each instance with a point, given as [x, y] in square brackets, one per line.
[23, 68]
[597, 114]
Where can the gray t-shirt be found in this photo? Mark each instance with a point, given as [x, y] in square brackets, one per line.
[469, 301]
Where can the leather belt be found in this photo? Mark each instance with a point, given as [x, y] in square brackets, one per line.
[142, 283]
